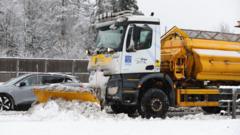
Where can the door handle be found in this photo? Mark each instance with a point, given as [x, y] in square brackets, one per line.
[149, 67]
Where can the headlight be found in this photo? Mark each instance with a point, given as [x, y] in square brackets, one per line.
[112, 90]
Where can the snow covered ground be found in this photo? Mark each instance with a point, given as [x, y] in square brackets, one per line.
[74, 118]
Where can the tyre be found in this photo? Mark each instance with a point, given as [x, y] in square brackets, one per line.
[116, 109]
[123, 109]
[211, 110]
[154, 103]
[6, 103]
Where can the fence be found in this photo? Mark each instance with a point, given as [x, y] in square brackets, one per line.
[232, 102]
[12, 67]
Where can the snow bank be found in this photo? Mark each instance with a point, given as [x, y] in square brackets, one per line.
[70, 111]
[60, 110]
[74, 118]
[68, 87]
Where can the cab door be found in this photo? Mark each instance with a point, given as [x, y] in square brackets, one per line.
[139, 51]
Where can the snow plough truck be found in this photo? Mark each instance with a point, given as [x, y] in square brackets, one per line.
[135, 68]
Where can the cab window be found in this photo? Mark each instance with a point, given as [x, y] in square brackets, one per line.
[139, 37]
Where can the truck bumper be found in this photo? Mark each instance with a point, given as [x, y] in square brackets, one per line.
[121, 90]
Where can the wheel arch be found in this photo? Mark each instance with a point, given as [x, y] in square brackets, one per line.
[161, 81]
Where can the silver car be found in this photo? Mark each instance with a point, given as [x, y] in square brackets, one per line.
[17, 93]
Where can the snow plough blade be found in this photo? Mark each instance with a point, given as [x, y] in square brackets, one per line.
[44, 95]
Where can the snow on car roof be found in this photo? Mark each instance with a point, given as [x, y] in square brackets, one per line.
[62, 74]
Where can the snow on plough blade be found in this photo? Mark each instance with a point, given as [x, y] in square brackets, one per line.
[43, 95]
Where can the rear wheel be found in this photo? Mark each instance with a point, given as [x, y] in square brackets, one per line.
[211, 110]
[6, 103]
[154, 103]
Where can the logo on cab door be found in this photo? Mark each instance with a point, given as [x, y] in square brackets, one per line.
[128, 60]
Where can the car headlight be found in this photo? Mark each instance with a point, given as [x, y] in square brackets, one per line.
[112, 90]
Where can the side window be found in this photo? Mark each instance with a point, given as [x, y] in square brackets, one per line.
[52, 79]
[141, 37]
[32, 81]
[145, 40]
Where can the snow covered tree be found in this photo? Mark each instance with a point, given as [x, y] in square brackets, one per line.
[69, 24]
[105, 6]
[127, 5]
[33, 16]
[52, 28]
[10, 28]
[116, 5]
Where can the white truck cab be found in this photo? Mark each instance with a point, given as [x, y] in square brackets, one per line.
[127, 52]
[125, 44]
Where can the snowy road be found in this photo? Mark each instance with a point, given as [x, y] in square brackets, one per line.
[64, 118]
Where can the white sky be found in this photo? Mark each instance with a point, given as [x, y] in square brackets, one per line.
[194, 14]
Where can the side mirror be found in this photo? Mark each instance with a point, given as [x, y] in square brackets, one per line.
[88, 52]
[22, 84]
[113, 27]
[110, 50]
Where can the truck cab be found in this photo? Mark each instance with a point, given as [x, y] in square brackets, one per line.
[126, 45]
[127, 51]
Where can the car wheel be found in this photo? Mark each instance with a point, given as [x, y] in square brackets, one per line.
[6, 103]
[154, 103]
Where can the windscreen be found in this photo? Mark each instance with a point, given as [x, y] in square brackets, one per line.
[110, 38]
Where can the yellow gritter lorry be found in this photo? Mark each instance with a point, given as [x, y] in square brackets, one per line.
[136, 70]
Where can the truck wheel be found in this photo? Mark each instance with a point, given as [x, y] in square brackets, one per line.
[154, 103]
[211, 110]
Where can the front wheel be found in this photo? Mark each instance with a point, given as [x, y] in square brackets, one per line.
[154, 103]
[6, 103]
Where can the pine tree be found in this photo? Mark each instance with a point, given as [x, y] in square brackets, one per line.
[127, 5]
[115, 5]
[105, 6]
